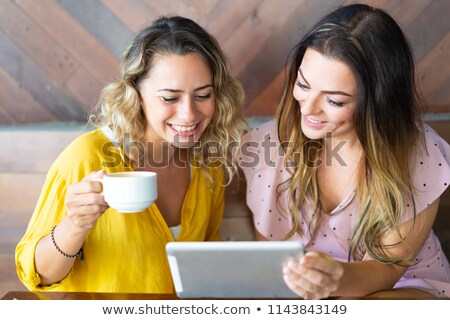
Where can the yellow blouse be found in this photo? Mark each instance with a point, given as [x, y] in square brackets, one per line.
[123, 252]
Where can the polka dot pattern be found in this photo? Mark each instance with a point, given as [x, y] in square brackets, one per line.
[333, 233]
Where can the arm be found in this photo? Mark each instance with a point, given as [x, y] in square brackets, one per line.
[317, 275]
[84, 205]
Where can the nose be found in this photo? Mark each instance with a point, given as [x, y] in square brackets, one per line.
[188, 111]
[309, 104]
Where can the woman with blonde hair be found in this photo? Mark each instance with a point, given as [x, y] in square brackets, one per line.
[174, 101]
[349, 168]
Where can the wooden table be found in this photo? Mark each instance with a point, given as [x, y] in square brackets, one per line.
[29, 295]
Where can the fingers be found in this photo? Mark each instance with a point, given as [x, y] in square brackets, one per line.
[322, 262]
[86, 185]
[84, 216]
[85, 198]
[304, 288]
[95, 175]
[314, 276]
[84, 202]
[312, 280]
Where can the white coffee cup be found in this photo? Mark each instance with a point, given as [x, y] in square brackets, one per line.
[129, 192]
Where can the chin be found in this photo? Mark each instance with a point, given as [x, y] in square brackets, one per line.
[312, 134]
[184, 144]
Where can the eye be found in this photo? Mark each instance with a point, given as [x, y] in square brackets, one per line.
[201, 97]
[301, 85]
[335, 103]
[169, 99]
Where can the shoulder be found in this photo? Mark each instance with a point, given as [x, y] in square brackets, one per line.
[436, 146]
[262, 132]
[430, 169]
[87, 146]
[261, 157]
[82, 156]
[260, 149]
[88, 142]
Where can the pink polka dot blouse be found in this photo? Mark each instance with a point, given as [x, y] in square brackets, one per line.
[264, 169]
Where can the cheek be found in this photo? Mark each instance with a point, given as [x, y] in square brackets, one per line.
[298, 94]
[155, 113]
[342, 116]
[209, 110]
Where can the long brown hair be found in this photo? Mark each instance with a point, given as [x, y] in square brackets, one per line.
[386, 119]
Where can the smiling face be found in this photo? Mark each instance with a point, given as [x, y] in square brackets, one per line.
[326, 91]
[177, 99]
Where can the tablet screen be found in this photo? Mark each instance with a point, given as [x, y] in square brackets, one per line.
[231, 269]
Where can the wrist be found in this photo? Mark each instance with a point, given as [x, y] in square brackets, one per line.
[67, 255]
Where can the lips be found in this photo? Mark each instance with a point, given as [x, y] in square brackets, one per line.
[183, 128]
[184, 131]
[312, 120]
[313, 123]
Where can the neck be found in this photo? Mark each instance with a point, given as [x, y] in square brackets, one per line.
[162, 154]
[344, 152]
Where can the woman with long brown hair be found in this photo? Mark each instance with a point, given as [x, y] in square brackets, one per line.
[349, 169]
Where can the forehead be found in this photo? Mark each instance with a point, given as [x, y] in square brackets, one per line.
[170, 63]
[178, 72]
[327, 72]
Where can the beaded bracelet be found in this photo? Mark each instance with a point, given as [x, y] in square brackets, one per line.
[79, 253]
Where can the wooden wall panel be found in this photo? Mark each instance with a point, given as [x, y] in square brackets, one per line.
[429, 27]
[434, 75]
[406, 17]
[439, 98]
[38, 83]
[226, 17]
[53, 59]
[62, 52]
[70, 34]
[28, 110]
[101, 22]
[19, 195]
[5, 117]
[135, 14]
[33, 150]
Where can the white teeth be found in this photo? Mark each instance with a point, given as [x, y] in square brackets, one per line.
[183, 129]
[314, 121]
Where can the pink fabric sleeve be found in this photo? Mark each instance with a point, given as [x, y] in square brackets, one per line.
[431, 173]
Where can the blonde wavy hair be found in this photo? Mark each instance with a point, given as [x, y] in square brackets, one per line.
[386, 119]
[119, 106]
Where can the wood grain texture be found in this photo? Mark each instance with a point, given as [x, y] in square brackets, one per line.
[70, 34]
[62, 52]
[19, 104]
[101, 22]
[38, 83]
[35, 43]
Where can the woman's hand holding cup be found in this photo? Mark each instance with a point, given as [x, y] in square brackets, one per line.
[85, 202]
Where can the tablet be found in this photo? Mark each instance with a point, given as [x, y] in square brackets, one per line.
[231, 269]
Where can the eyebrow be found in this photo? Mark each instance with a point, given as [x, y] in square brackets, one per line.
[326, 91]
[196, 89]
